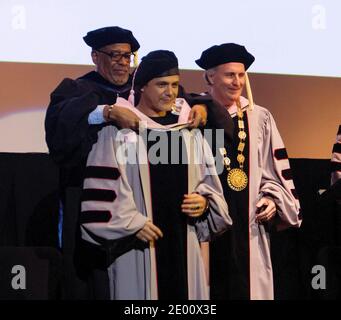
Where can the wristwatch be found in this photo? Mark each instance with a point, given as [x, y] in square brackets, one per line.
[107, 117]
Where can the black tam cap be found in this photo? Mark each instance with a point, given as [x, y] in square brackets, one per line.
[159, 63]
[226, 52]
[99, 38]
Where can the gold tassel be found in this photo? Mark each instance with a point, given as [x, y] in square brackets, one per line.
[248, 91]
[136, 60]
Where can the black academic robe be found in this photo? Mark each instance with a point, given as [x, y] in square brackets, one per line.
[69, 136]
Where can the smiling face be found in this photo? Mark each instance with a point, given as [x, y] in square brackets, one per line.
[116, 72]
[158, 95]
[227, 82]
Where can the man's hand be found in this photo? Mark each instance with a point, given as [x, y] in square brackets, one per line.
[122, 117]
[149, 232]
[266, 208]
[197, 116]
[194, 205]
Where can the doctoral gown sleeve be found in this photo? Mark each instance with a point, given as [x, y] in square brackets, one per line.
[336, 159]
[108, 209]
[69, 137]
[217, 219]
[277, 181]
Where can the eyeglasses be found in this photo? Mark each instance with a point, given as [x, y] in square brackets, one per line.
[117, 55]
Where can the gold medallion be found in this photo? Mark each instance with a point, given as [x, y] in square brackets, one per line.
[237, 179]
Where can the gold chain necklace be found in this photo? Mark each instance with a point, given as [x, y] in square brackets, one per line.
[236, 178]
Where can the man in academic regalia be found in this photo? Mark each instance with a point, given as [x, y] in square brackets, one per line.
[149, 202]
[79, 108]
[257, 181]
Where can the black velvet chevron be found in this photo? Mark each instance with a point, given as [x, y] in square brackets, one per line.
[287, 174]
[98, 195]
[337, 148]
[110, 173]
[95, 216]
[281, 154]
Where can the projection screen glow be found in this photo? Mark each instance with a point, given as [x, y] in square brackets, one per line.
[287, 37]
